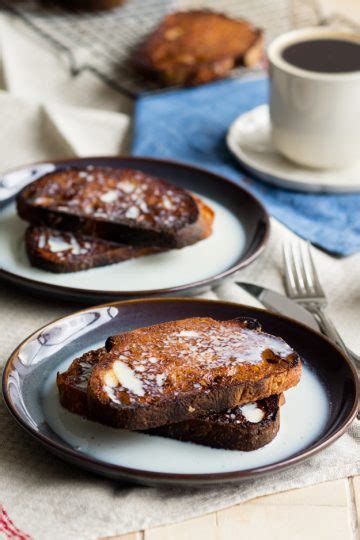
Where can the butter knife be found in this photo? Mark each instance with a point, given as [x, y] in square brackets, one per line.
[280, 304]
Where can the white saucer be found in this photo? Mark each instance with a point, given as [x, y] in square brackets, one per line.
[249, 140]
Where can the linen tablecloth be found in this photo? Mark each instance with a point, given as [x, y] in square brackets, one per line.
[45, 497]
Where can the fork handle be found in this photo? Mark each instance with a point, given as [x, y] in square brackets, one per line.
[329, 330]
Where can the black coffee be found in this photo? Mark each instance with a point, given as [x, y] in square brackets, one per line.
[324, 55]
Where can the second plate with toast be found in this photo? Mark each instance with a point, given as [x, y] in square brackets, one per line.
[105, 228]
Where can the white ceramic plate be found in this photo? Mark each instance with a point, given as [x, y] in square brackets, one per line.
[249, 140]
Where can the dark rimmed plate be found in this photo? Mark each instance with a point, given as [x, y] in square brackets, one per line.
[240, 233]
[315, 414]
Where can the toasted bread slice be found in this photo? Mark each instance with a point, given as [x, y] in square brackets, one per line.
[64, 251]
[120, 205]
[72, 383]
[179, 370]
[195, 47]
[245, 427]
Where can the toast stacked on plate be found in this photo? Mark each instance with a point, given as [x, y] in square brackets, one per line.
[198, 46]
[82, 218]
[217, 383]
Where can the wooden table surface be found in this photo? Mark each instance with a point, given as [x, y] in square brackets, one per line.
[328, 511]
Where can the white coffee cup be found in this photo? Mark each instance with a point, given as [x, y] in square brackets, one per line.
[315, 116]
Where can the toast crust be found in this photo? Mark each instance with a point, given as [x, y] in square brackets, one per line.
[62, 251]
[229, 430]
[201, 229]
[195, 47]
[179, 370]
[72, 383]
[120, 205]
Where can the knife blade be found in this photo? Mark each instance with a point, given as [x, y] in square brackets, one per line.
[280, 304]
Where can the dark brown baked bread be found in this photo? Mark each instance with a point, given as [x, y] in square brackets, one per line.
[120, 205]
[64, 251]
[179, 370]
[195, 47]
[92, 5]
[72, 383]
[245, 427]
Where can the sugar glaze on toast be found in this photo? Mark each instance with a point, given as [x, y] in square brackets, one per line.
[179, 370]
[120, 205]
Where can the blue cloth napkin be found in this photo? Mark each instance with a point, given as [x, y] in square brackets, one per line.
[191, 125]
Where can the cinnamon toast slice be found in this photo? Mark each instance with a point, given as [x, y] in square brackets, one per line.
[198, 46]
[119, 205]
[245, 427]
[184, 369]
[63, 251]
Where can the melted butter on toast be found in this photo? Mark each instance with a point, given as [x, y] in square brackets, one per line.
[190, 355]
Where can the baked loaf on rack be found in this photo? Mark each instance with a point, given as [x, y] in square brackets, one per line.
[195, 47]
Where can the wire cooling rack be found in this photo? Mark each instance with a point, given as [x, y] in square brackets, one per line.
[102, 41]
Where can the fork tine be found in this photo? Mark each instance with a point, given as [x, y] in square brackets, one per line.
[289, 278]
[290, 283]
[316, 283]
[298, 268]
[307, 271]
[309, 277]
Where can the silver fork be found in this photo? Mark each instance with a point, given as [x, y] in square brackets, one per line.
[303, 285]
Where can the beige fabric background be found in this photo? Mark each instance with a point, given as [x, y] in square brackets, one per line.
[46, 114]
